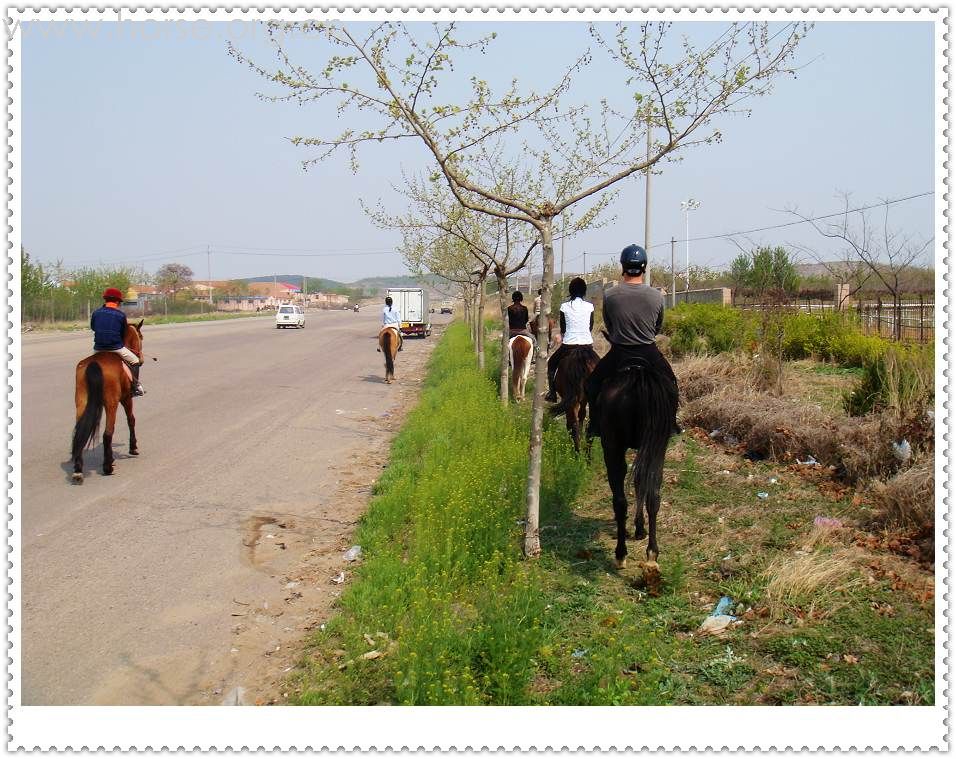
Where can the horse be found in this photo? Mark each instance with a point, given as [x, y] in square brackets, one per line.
[389, 341]
[102, 383]
[569, 378]
[637, 408]
[520, 348]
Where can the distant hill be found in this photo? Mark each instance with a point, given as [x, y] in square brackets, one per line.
[371, 285]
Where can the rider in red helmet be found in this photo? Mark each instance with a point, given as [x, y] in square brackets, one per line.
[109, 329]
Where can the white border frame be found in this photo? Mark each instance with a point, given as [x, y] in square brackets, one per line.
[606, 728]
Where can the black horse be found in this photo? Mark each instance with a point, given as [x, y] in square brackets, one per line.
[637, 408]
[569, 378]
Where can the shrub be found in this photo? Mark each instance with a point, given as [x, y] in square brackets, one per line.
[704, 328]
[899, 380]
[802, 336]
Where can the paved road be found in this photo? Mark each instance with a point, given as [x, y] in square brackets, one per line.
[130, 582]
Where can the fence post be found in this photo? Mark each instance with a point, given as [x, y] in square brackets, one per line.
[921, 317]
[879, 316]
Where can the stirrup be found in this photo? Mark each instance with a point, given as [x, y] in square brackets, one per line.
[551, 397]
[138, 391]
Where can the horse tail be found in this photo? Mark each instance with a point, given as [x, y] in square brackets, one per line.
[387, 350]
[89, 422]
[655, 408]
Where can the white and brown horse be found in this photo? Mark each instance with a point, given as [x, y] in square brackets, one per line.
[520, 349]
[389, 342]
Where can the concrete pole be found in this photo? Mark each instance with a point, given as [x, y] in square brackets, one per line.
[647, 204]
[673, 275]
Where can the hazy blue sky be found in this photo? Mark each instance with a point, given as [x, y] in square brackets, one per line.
[143, 143]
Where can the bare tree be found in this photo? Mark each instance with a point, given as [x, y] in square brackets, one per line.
[391, 76]
[886, 254]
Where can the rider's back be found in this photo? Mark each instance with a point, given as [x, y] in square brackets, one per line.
[633, 313]
[109, 328]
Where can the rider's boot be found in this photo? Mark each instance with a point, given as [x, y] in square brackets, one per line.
[552, 396]
[137, 385]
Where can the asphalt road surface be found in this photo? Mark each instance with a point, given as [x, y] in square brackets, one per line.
[132, 585]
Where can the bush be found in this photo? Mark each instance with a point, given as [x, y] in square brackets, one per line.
[899, 380]
[704, 328]
[802, 336]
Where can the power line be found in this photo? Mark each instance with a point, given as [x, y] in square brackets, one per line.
[779, 226]
[799, 221]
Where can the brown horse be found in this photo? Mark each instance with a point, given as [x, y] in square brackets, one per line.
[389, 341]
[519, 359]
[569, 378]
[102, 383]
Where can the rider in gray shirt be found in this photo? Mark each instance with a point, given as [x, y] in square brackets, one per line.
[633, 315]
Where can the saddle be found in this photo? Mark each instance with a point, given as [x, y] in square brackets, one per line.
[634, 364]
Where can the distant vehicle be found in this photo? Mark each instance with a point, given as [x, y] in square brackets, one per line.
[412, 304]
[446, 307]
[290, 316]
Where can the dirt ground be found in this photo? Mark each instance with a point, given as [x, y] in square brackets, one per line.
[305, 558]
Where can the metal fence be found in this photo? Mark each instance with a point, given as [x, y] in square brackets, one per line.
[909, 320]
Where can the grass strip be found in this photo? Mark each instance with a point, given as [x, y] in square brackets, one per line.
[443, 610]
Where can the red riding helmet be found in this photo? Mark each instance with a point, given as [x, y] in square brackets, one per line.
[111, 293]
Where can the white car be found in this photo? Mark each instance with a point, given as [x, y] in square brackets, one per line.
[290, 316]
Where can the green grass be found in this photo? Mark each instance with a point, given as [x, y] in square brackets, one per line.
[443, 590]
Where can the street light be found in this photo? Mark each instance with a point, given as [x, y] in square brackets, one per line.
[687, 206]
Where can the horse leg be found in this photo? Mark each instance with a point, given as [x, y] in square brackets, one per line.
[582, 414]
[614, 460]
[108, 436]
[652, 572]
[571, 417]
[131, 423]
[639, 532]
[653, 506]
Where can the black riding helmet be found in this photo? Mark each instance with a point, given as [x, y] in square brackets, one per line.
[517, 297]
[634, 260]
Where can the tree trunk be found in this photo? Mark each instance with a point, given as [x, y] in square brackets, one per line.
[532, 538]
[503, 362]
[480, 342]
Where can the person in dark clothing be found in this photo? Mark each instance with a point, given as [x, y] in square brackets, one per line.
[519, 321]
[108, 323]
[577, 321]
[633, 315]
[517, 315]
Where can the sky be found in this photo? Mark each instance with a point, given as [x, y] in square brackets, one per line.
[144, 143]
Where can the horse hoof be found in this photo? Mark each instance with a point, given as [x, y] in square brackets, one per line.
[77, 478]
[640, 534]
[107, 472]
[133, 452]
[652, 578]
[621, 563]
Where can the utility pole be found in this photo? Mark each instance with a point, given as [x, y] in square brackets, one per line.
[673, 275]
[585, 265]
[209, 273]
[647, 203]
[687, 206]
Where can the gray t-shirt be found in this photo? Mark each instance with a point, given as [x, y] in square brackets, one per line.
[633, 314]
